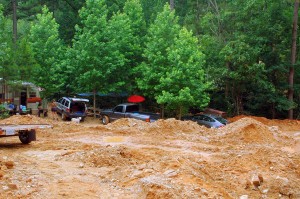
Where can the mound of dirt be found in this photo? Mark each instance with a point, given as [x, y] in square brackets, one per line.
[283, 125]
[260, 119]
[173, 125]
[167, 126]
[247, 130]
[24, 119]
[127, 122]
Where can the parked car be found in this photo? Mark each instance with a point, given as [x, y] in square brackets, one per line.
[127, 110]
[69, 107]
[210, 121]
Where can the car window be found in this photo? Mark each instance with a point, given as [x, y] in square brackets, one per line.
[206, 118]
[118, 109]
[210, 119]
[199, 117]
[132, 108]
[67, 103]
[63, 101]
[60, 100]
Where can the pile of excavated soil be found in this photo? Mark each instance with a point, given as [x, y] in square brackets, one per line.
[283, 125]
[247, 130]
[249, 158]
[24, 119]
[167, 126]
[173, 125]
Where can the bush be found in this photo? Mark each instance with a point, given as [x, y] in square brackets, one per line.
[4, 113]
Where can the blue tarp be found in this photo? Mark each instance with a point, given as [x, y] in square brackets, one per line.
[123, 94]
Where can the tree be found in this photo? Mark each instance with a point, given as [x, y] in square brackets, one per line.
[6, 71]
[25, 60]
[293, 57]
[244, 73]
[152, 8]
[159, 38]
[172, 4]
[172, 72]
[15, 34]
[7, 67]
[48, 51]
[100, 47]
[259, 25]
[184, 84]
[133, 52]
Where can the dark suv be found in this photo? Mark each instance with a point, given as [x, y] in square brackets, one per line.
[69, 107]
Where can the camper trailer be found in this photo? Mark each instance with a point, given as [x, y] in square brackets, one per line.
[21, 94]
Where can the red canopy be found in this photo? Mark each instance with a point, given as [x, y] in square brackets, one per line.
[135, 98]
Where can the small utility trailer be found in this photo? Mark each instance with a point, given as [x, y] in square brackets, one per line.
[26, 132]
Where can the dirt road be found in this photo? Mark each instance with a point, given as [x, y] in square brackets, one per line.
[249, 158]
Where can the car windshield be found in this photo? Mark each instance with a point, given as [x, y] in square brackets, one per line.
[220, 119]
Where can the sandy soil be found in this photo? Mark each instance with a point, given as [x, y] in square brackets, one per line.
[251, 157]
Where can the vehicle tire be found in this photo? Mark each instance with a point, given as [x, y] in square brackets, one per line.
[63, 116]
[26, 136]
[105, 119]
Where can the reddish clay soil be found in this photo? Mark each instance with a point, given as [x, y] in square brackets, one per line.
[252, 157]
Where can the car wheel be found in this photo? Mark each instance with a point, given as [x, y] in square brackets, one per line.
[63, 116]
[105, 119]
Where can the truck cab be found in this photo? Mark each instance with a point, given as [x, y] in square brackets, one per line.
[125, 110]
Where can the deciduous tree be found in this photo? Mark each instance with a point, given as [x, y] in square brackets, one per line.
[172, 72]
[47, 49]
[184, 84]
[102, 49]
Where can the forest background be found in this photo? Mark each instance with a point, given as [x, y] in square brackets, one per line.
[232, 55]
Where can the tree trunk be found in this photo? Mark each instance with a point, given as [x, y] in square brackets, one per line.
[273, 110]
[14, 4]
[227, 84]
[162, 111]
[293, 58]
[94, 103]
[172, 4]
[180, 112]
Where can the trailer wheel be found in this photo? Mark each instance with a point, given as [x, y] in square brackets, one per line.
[27, 136]
[105, 119]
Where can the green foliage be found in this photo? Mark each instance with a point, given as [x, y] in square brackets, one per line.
[152, 8]
[133, 52]
[103, 48]
[64, 11]
[173, 72]
[246, 46]
[184, 83]
[4, 113]
[47, 49]
[25, 60]
[160, 37]
[7, 68]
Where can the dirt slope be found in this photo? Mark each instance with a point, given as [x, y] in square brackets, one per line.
[251, 157]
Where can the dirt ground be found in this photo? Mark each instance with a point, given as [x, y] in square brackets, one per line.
[252, 157]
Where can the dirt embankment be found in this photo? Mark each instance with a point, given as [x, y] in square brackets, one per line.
[251, 157]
